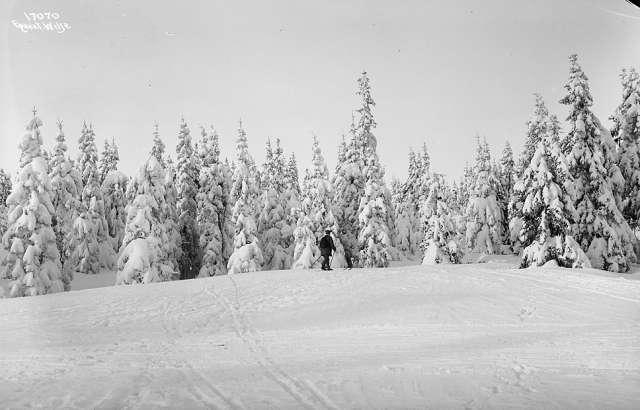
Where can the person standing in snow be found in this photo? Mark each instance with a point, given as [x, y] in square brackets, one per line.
[326, 248]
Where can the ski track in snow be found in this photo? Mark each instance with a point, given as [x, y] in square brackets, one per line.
[459, 336]
[216, 398]
[303, 391]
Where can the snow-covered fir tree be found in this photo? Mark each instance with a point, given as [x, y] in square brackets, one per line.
[483, 213]
[306, 252]
[247, 255]
[67, 187]
[600, 229]
[187, 186]
[413, 192]
[349, 183]
[537, 127]
[317, 203]
[403, 219]
[148, 246]
[440, 236]
[293, 179]
[92, 213]
[374, 239]
[540, 125]
[466, 186]
[213, 208]
[547, 213]
[32, 263]
[88, 158]
[274, 227]
[85, 255]
[5, 190]
[169, 210]
[291, 200]
[627, 130]
[114, 189]
[109, 159]
[630, 80]
[507, 175]
[158, 147]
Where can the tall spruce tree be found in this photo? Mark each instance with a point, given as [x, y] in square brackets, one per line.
[627, 129]
[186, 185]
[273, 226]
[148, 246]
[374, 236]
[5, 190]
[90, 226]
[158, 148]
[440, 238]
[547, 213]
[540, 125]
[214, 208]
[32, 263]
[483, 214]
[67, 187]
[109, 159]
[247, 255]
[317, 203]
[507, 175]
[349, 187]
[601, 230]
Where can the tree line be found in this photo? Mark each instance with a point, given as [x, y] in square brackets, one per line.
[570, 200]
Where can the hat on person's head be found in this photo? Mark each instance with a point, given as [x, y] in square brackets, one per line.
[327, 230]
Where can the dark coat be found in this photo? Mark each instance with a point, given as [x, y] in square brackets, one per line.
[326, 245]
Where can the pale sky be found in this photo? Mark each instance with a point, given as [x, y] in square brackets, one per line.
[441, 71]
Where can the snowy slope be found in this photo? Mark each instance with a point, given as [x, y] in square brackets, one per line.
[465, 336]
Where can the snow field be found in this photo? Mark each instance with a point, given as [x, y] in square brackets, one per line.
[446, 336]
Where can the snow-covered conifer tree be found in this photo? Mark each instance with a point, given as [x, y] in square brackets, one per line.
[85, 249]
[33, 262]
[440, 237]
[114, 190]
[409, 234]
[67, 187]
[601, 230]
[148, 246]
[374, 238]
[349, 188]
[627, 129]
[630, 80]
[247, 255]
[292, 174]
[507, 176]
[169, 210]
[317, 203]
[109, 159]
[403, 221]
[537, 127]
[540, 125]
[186, 184]
[306, 251]
[291, 200]
[214, 208]
[274, 228]
[547, 213]
[88, 159]
[103, 257]
[5, 190]
[5, 186]
[158, 147]
[483, 214]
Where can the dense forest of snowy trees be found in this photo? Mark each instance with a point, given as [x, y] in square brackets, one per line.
[571, 198]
